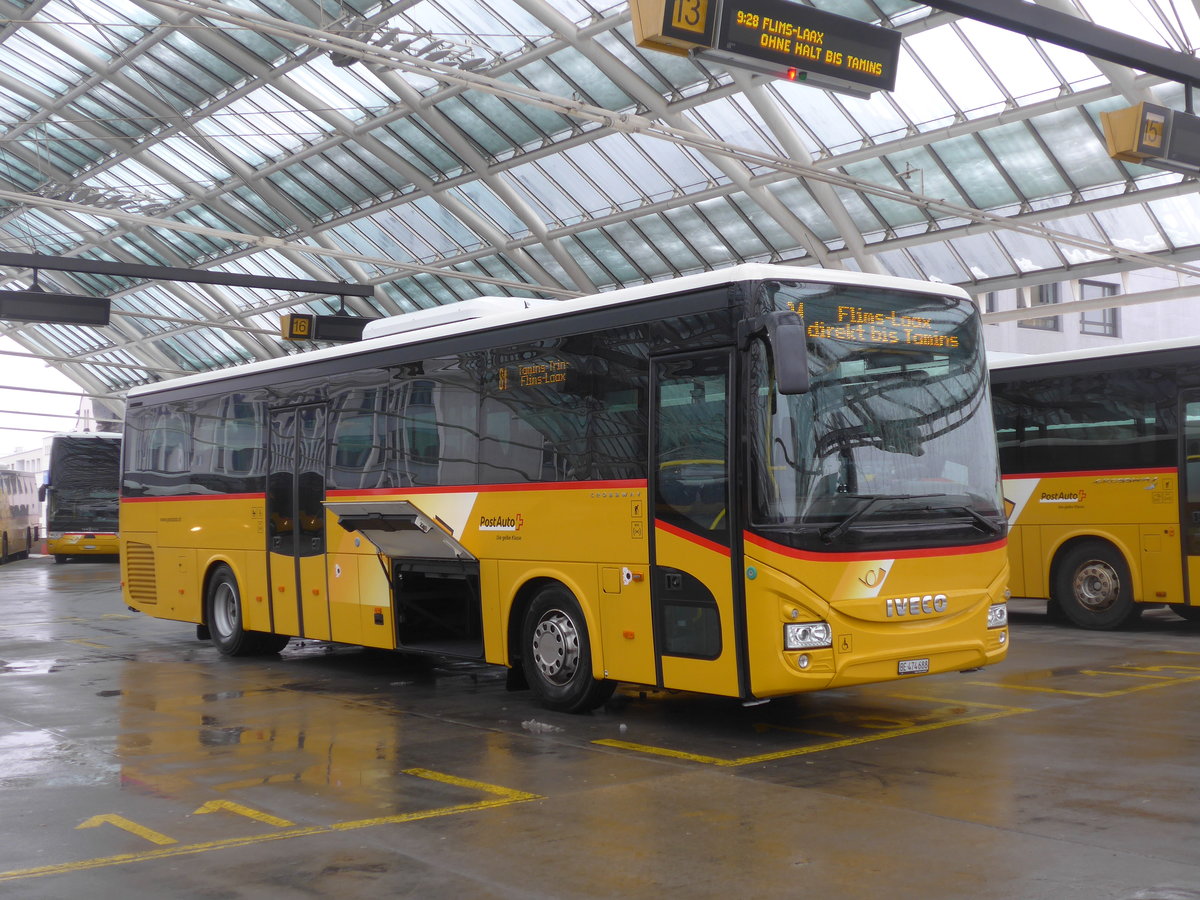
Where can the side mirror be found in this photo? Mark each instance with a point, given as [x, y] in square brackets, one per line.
[789, 349]
[42, 488]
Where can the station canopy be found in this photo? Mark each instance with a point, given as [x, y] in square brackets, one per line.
[441, 150]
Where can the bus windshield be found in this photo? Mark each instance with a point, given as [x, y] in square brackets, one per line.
[893, 440]
[83, 478]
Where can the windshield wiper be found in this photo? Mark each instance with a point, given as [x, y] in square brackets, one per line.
[982, 522]
[836, 531]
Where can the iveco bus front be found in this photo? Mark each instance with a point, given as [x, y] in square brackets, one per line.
[875, 503]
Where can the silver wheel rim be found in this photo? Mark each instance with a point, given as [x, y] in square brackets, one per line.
[225, 609]
[556, 646]
[1097, 585]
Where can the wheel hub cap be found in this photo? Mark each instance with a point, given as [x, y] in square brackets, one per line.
[1097, 585]
[556, 646]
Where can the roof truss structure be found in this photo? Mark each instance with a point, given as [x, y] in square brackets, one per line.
[439, 151]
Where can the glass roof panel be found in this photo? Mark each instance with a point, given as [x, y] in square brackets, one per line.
[1131, 228]
[1071, 139]
[223, 129]
[919, 95]
[983, 256]
[1030, 254]
[959, 73]
[1024, 72]
[1025, 160]
[1177, 217]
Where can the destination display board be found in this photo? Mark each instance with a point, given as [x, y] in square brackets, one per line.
[791, 35]
[778, 37]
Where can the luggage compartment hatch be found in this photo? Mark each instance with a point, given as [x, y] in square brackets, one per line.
[399, 530]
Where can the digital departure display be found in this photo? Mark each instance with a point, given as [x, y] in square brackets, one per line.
[538, 373]
[795, 36]
[865, 326]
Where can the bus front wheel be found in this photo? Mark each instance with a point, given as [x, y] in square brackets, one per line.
[223, 608]
[1093, 587]
[557, 655]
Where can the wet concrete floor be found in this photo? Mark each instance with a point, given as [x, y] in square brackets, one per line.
[135, 761]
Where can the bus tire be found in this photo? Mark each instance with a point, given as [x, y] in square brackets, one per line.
[223, 612]
[59, 559]
[4, 548]
[557, 655]
[1093, 587]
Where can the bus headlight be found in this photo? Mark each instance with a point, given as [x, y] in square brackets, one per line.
[807, 635]
[998, 615]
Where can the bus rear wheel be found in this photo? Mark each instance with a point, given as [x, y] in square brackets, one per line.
[1093, 587]
[223, 611]
[557, 655]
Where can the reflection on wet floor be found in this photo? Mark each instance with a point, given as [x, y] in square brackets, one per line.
[132, 755]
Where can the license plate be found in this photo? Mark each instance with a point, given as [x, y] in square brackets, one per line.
[913, 667]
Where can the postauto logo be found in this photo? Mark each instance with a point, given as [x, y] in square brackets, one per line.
[501, 523]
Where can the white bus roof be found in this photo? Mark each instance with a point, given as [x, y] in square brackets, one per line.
[492, 315]
[105, 435]
[1013, 361]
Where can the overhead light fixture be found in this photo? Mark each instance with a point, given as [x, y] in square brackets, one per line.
[38, 305]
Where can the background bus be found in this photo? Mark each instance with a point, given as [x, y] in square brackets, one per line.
[748, 483]
[1100, 452]
[82, 483]
[19, 514]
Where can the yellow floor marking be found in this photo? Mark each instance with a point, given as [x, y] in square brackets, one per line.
[88, 644]
[238, 809]
[126, 825]
[815, 748]
[502, 797]
[1158, 682]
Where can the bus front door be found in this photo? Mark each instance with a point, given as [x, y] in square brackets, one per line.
[296, 522]
[697, 611]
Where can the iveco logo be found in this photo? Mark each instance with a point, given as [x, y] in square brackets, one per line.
[925, 605]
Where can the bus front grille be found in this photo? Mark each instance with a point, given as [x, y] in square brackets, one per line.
[139, 573]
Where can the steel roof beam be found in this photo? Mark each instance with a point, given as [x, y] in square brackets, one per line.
[1079, 34]
[195, 276]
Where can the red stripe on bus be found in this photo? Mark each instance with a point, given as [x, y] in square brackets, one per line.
[925, 553]
[692, 538]
[400, 492]
[493, 488]
[182, 497]
[1095, 473]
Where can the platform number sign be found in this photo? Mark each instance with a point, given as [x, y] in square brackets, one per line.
[1153, 127]
[689, 15]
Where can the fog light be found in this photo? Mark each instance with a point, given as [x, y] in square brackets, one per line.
[1004, 637]
[802, 660]
[807, 635]
[997, 615]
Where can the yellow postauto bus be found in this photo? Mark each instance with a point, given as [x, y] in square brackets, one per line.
[1100, 452]
[81, 488]
[19, 514]
[749, 483]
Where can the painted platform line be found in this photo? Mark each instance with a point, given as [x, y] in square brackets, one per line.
[996, 712]
[1140, 678]
[498, 796]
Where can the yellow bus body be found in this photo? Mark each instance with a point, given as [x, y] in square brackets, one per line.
[83, 543]
[1136, 511]
[593, 540]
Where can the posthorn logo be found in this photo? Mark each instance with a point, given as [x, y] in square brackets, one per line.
[501, 523]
